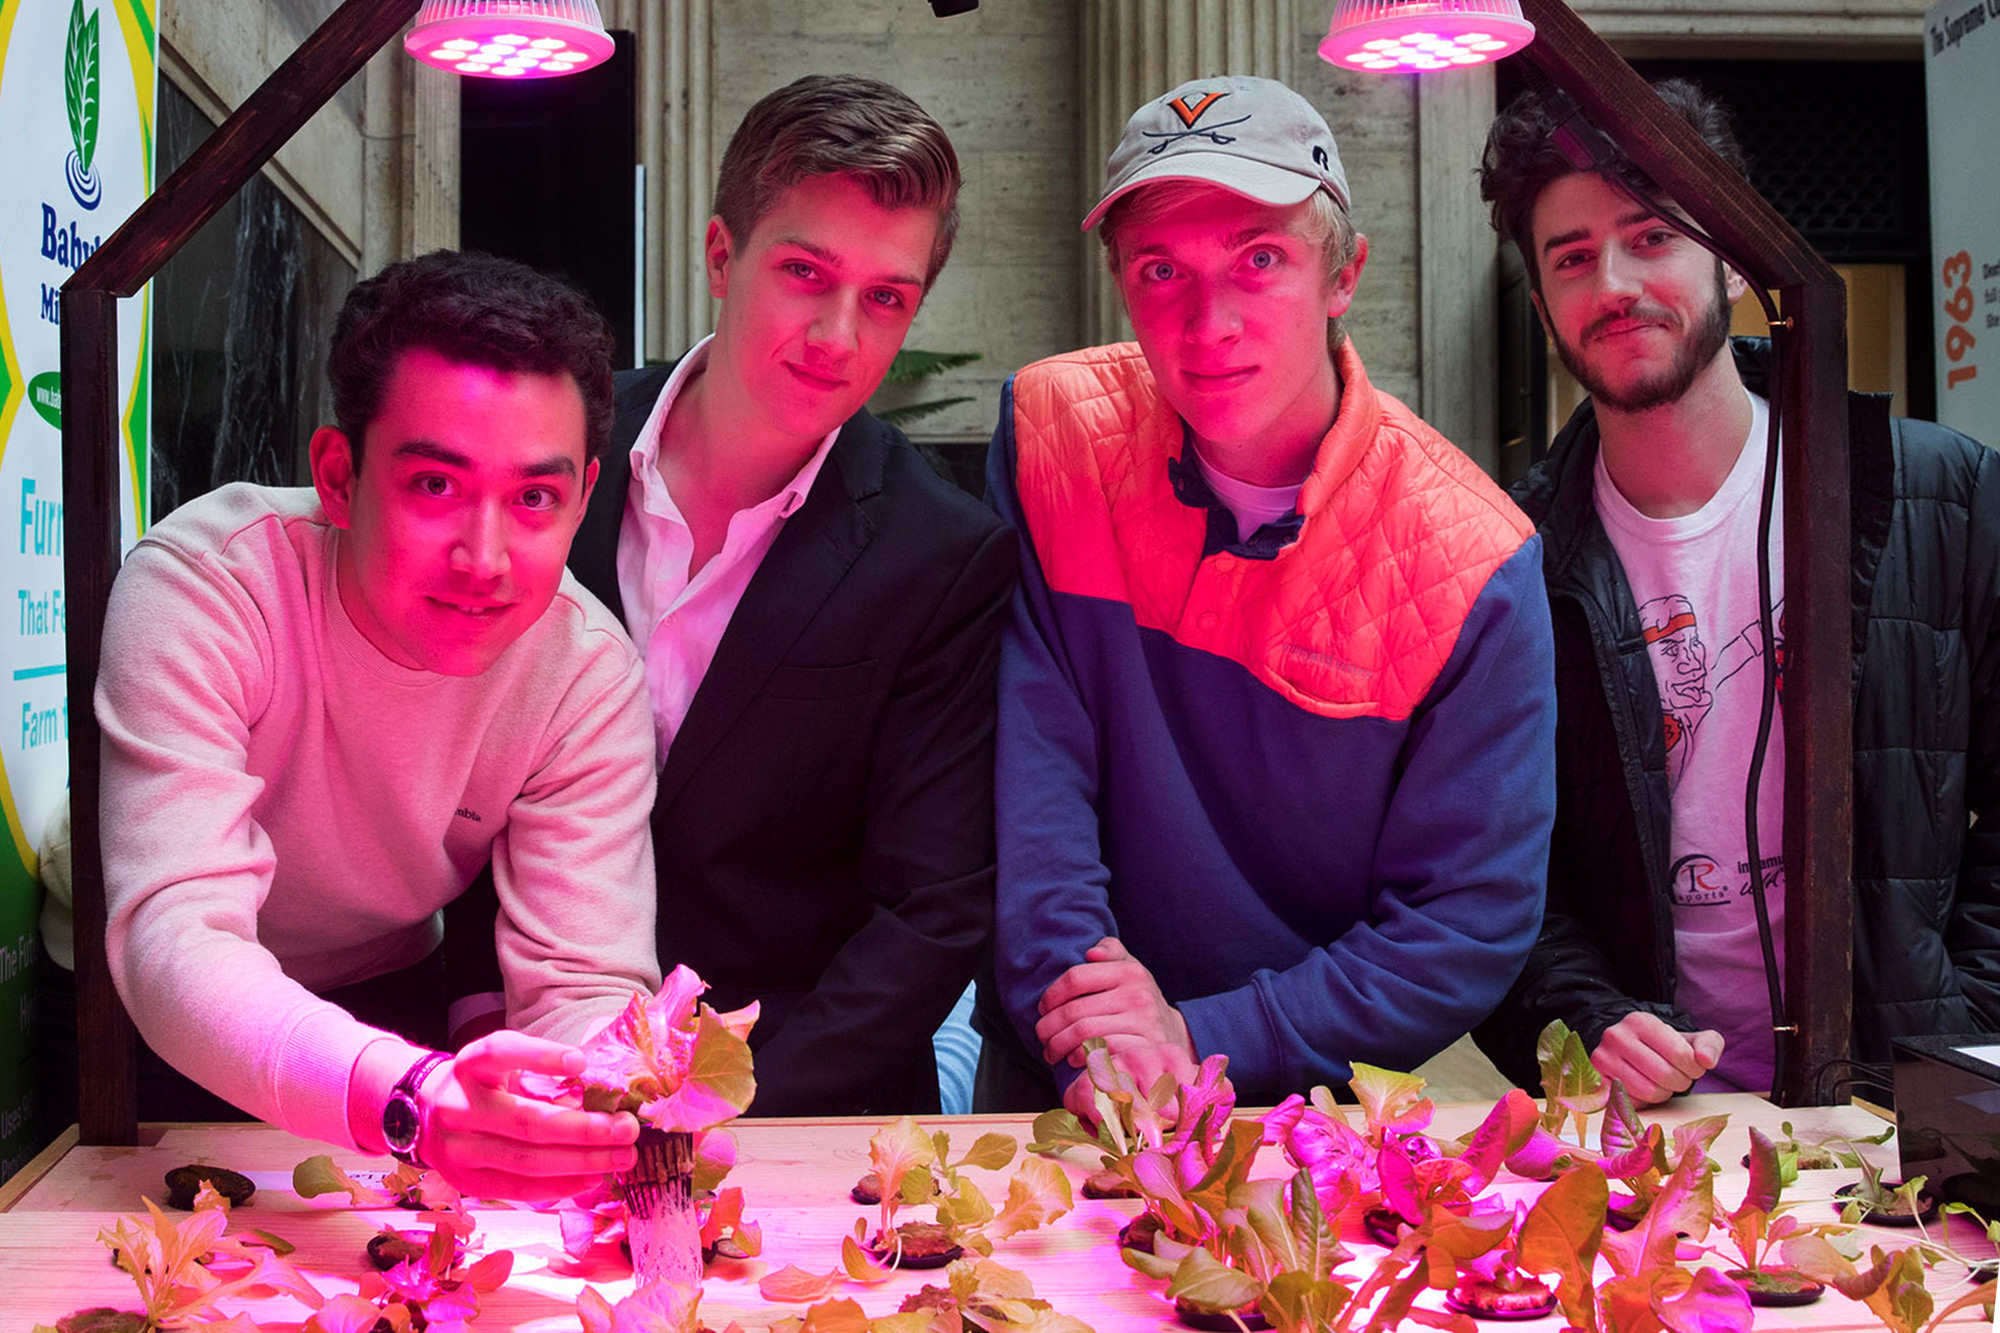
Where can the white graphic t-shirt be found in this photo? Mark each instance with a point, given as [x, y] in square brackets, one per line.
[1695, 581]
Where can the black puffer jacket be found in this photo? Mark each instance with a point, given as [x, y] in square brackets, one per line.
[1926, 597]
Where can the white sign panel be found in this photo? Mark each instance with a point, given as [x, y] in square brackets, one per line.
[1962, 75]
[76, 157]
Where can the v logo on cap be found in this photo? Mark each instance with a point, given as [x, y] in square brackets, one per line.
[1190, 114]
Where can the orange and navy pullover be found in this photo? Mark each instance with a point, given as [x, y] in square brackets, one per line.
[1307, 778]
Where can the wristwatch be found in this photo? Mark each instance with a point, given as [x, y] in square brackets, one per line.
[402, 1118]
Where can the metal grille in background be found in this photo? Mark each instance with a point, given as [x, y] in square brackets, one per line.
[1838, 147]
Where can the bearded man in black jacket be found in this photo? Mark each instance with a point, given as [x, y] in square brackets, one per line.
[1648, 507]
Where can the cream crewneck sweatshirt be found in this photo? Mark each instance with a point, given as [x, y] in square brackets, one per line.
[286, 810]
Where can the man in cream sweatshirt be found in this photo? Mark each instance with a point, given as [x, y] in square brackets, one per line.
[325, 710]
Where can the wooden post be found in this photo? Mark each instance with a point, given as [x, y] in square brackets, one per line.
[107, 1086]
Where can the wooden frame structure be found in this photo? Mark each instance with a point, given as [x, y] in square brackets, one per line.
[1818, 813]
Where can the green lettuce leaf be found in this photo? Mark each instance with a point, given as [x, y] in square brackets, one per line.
[1037, 1195]
[1205, 1283]
[1392, 1102]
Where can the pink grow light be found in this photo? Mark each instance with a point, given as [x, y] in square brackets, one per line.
[1412, 36]
[510, 39]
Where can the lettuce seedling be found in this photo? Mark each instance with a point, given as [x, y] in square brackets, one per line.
[1415, 1187]
[1188, 1183]
[436, 1289]
[1570, 1083]
[1281, 1250]
[1756, 1229]
[1892, 1286]
[913, 1166]
[406, 1186]
[186, 1270]
[1128, 1119]
[1315, 1136]
[980, 1295]
[1560, 1238]
[654, 1307]
[671, 1060]
[1393, 1105]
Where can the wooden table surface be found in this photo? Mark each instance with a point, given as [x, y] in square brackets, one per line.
[795, 1175]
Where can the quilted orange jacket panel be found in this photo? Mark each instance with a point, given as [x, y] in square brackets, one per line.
[1354, 619]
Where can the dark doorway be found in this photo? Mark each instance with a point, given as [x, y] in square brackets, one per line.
[548, 178]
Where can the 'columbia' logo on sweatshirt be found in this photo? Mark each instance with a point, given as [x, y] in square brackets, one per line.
[472, 815]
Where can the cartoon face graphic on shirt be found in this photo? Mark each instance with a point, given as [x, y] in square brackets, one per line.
[1680, 668]
[1688, 673]
[1681, 658]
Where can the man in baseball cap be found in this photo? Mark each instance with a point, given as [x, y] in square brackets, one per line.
[1276, 709]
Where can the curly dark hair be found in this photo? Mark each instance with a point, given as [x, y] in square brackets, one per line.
[475, 309]
[1520, 161]
[840, 125]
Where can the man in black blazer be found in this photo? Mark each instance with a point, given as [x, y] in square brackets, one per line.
[818, 611]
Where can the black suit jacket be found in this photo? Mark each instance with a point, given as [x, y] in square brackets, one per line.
[824, 826]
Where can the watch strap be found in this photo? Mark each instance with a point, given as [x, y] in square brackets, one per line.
[403, 1112]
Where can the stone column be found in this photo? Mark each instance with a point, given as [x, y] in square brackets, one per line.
[1457, 265]
[675, 94]
[409, 159]
[1132, 50]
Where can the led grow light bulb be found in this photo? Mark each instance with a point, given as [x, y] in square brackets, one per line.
[1423, 34]
[510, 38]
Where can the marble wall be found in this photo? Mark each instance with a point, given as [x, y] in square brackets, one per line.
[241, 318]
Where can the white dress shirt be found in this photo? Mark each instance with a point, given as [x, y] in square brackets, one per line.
[677, 622]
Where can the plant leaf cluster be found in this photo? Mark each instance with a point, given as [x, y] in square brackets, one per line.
[437, 1290]
[980, 1296]
[1270, 1247]
[1128, 1118]
[912, 365]
[915, 1166]
[671, 1060]
[653, 1307]
[1176, 1146]
[406, 1185]
[185, 1270]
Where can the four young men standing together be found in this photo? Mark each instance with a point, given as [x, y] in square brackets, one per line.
[1282, 728]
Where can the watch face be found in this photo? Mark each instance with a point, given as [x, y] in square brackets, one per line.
[399, 1122]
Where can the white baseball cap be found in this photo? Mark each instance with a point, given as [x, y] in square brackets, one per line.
[1253, 136]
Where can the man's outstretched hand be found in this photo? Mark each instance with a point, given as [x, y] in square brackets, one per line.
[490, 1140]
[1654, 1061]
